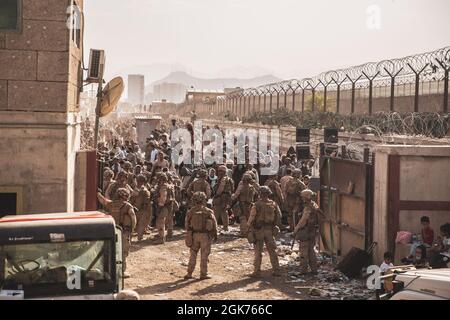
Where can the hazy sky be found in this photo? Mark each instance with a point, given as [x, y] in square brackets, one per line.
[290, 38]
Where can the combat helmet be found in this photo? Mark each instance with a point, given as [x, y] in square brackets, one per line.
[199, 197]
[265, 191]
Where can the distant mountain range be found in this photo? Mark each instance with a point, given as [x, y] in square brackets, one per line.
[212, 84]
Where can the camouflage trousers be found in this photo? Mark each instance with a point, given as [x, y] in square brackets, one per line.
[220, 212]
[144, 218]
[292, 208]
[201, 242]
[265, 236]
[126, 243]
[161, 215]
[169, 220]
[243, 218]
[307, 256]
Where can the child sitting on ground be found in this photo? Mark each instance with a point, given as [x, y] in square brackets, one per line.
[426, 238]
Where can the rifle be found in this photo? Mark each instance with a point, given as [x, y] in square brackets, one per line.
[294, 235]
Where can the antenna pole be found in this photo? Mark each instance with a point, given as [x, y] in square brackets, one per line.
[97, 111]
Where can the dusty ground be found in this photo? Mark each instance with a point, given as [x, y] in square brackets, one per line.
[158, 270]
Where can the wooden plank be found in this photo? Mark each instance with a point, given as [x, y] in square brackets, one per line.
[393, 200]
[425, 205]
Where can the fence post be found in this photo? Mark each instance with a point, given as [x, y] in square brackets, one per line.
[446, 79]
[353, 92]
[371, 89]
[265, 98]
[270, 101]
[417, 87]
[303, 100]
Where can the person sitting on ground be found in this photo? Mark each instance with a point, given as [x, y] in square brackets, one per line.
[387, 263]
[426, 236]
[440, 252]
[419, 260]
[384, 267]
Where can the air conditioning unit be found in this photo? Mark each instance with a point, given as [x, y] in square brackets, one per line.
[96, 66]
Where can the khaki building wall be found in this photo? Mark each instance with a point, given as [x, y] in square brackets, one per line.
[424, 177]
[39, 104]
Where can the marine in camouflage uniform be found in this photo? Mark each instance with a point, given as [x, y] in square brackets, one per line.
[277, 193]
[222, 196]
[293, 200]
[128, 167]
[124, 216]
[164, 196]
[245, 195]
[199, 185]
[305, 232]
[142, 201]
[263, 227]
[121, 182]
[201, 230]
[108, 176]
[173, 207]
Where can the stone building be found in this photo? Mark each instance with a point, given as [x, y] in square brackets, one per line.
[136, 89]
[41, 50]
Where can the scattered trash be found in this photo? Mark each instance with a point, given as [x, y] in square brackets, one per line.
[314, 292]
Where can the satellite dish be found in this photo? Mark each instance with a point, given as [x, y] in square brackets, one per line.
[111, 96]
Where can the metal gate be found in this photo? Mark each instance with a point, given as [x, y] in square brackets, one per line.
[346, 192]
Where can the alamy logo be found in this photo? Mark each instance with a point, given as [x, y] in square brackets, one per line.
[245, 145]
[373, 281]
[373, 21]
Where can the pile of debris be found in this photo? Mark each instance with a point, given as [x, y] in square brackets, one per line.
[328, 283]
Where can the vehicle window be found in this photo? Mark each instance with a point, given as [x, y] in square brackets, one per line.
[53, 263]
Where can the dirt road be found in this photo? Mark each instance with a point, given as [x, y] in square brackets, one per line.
[158, 270]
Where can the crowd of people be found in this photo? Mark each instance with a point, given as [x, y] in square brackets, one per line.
[148, 194]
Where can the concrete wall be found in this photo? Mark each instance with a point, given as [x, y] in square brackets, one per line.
[431, 100]
[423, 189]
[39, 124]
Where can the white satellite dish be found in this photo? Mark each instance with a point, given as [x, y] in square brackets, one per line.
[111, 96]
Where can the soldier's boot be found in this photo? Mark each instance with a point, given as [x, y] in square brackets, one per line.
[312, 259]
[205, 277]
[169, 234]
[126, 275]
[271, 248]
[188, 276]
[259, 246]
[256, 274]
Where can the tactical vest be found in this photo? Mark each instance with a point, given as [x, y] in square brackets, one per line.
[144, 198]
[313, 220]
[295, 187]
[247, 194]
[308, 232]
[199, 220]
[119, 212]
[227, 188]
[199, 186]
[170, 194]
[265, 214]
